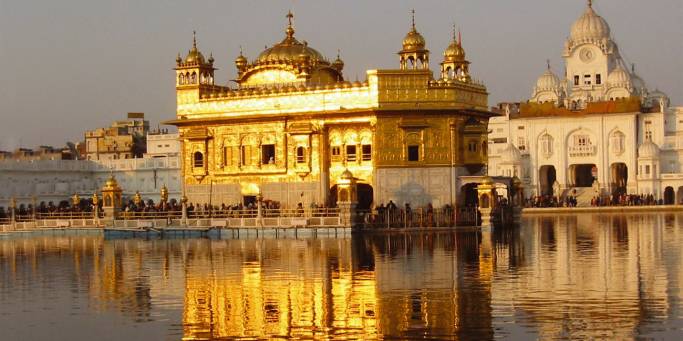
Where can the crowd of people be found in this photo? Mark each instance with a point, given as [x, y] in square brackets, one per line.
[545, 201]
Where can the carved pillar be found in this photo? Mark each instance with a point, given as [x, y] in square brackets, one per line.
[347, 199]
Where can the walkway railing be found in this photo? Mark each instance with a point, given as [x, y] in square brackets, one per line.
[420, 218]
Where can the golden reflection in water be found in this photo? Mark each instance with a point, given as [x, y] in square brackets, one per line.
[566, 277]
[285, 288]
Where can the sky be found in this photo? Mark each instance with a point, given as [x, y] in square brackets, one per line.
[74, 65]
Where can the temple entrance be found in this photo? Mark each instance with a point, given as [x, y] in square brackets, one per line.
[618, 178]
[582, 175]
[669, 196]
[470, 195]
[365, 196]
[547, 177]
[248, 200]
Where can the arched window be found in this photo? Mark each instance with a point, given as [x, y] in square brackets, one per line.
[616, 141]
[181, 79]
[546, 142]
[194, 78]
[300, 155]
[198, 160]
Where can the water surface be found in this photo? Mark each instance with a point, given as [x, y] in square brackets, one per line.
[560, 277]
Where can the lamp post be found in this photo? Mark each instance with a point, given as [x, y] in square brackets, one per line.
[12, 210]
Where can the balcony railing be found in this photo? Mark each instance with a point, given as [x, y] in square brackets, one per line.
[582, 150]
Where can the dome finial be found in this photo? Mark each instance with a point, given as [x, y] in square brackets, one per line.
[633, 67]
[590, 3]
[412, 12]
[548, 62]
[194, 39]
[290, 29]
[454, 32]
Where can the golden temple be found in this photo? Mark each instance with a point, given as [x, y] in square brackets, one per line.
[293, 125]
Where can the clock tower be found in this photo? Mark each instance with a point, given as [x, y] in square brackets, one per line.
[590, 55]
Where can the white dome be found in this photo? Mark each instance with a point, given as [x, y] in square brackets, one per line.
[619, 77]
[648, 149]
[637, 82]
[590, 26]
[547, 81]
[510, 154]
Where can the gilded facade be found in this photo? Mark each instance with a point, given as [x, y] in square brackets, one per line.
[294, 124]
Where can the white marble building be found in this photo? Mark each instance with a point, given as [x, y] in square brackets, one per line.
[57, 180]
[599, 121]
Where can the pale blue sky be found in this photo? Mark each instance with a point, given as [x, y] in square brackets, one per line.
[72, 65]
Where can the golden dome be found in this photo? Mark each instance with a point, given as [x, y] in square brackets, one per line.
[454, 52]
[289, 49]
[194, 56]
[347, 175]
[289, 61]
[111, 183]
[338, 63]
[414, 41]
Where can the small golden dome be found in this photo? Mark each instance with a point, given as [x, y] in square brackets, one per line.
[454, 52]
[487, 180]
[111, 183]
[346, 175]
[194, 56]
[414, 41]
[338, 63]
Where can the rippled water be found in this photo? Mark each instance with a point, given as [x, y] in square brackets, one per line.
[564, 277]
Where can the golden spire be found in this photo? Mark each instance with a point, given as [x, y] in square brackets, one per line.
[290, 29]
[412, 12]
[194, 39]
[548, 62]
[590, 3]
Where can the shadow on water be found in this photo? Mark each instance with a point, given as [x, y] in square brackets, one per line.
[559, 277]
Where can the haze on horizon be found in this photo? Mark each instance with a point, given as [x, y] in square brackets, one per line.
[75, 65]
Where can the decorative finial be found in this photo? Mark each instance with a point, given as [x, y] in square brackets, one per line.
[459, 37]
[241, 50]
[290, 16]
[590, 3]
[194, 39]
[454, 32]
[548, 63]
[290, 29]
[412, 12]
[338, 53]
[633, 68]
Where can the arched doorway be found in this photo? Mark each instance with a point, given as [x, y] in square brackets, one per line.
[470, 195]
[618, 178]
[582, 175]
[547, 177]
[365, 196]
[679, 196]
[669, 196]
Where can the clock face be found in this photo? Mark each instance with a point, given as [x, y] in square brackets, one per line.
[586, 55]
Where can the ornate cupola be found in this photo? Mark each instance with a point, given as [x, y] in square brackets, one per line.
[194, 70]
[241, 63]
[455, 66]
[414, 55]
[289, 61]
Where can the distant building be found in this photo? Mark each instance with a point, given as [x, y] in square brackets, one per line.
[41, 173]
[40, 153]
[162, 144]
[597, 129]
[122, 140]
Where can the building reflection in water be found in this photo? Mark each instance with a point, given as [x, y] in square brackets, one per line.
[588, 276]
